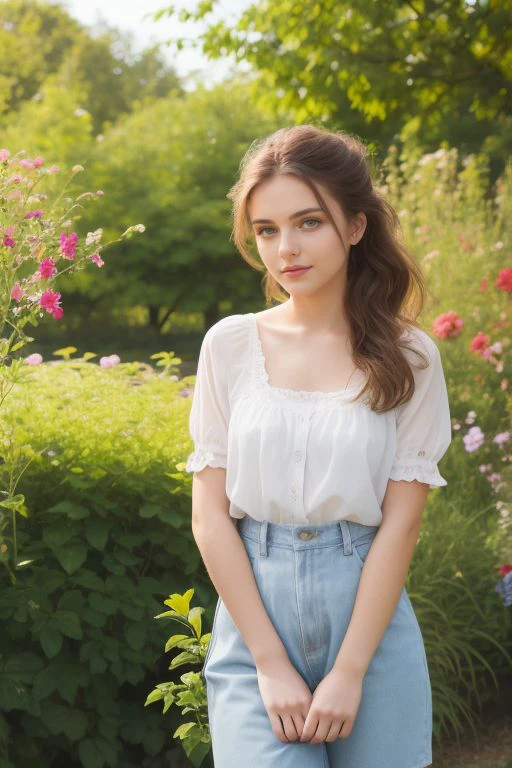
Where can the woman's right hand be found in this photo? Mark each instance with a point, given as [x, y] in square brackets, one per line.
[286, 697]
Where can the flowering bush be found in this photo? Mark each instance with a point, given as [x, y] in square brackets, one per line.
[449, 325]
[37, 245]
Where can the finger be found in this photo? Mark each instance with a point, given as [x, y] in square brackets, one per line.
[289, 727]
[343, 731]
[299, 720]
[277, 727]
[322, 731]
[310, 726]
[334, 730]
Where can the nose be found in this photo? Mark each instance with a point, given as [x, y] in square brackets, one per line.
[287, 245]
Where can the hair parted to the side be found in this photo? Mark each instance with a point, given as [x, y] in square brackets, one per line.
[385, 289]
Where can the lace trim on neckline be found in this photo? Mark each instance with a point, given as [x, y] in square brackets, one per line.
[262, 377]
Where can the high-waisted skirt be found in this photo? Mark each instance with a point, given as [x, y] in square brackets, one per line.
[308, 576]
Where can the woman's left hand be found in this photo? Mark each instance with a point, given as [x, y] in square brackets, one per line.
[334, 706]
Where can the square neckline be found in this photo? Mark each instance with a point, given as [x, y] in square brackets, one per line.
[301, 394]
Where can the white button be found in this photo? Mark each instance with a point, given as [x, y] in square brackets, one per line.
[297, 455]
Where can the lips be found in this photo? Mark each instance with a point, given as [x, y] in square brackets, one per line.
[295, 269]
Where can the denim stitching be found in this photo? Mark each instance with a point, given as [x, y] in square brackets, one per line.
[300, 619]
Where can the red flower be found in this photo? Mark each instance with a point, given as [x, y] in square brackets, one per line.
[504, 280]
[479, 343]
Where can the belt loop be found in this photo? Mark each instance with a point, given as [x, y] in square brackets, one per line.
[347, 539]
[263, 538]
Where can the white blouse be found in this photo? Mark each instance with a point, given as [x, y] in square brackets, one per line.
[305, 456]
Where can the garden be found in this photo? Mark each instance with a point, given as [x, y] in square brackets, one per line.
[105, 603]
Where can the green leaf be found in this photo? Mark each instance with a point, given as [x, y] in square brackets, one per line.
[182, 731]
[96, 533]
[102, 603]
[174, 640]
[136, 635]
[75, 724]
[45, 683]
[69, 509]
[89, 755]
[72, 557]
[50, 639]
[194, 618]
[180, 603]
[69, 624]
[155, 695]
[149, 510]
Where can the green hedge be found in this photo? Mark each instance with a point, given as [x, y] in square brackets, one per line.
[106, 539]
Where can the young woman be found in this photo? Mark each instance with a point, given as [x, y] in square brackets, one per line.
[317, 427]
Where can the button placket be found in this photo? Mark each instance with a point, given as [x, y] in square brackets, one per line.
[299, 455]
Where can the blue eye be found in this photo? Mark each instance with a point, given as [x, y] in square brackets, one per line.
[262, 230]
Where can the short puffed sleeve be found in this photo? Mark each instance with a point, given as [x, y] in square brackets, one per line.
[209, 412]
[423, 424]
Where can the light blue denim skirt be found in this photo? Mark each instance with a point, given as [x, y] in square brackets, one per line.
[308, 576]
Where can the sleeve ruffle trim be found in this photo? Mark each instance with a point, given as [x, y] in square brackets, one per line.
[417, 468]
[202, 458]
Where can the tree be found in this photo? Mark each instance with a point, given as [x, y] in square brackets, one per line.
[170, 165]
[418, 68]
[39, 40]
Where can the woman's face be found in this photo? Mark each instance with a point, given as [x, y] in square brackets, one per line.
[291, 229]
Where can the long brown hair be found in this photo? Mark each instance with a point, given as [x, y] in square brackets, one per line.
[385, 289]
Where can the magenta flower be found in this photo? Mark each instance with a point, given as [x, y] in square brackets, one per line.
[34, 214]
[16, 292]
[4, 155]
[447, 325]
[96, 259]
[46, 269]
[50, 300]
[38, 161]
[8, 242]
[474, 439]
[68, 245]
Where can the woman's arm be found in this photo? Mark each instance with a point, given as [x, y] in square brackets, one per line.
[384, 573]
[229, 567]
[285, 694]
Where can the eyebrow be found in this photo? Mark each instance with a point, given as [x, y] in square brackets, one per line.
[293, 216]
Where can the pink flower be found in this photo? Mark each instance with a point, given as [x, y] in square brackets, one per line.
[14, 195]
[14, 179]
[26, 163]
[68, 245]
[483, 284]
[34, 359]
[447, 325]
[16, 292]
[53, 169]
[46, 269]
[4, 155]
[96, 259]
[100, 193]
[474, 439]
[504, 280]
[50, 300]
[501, 437]
[34, 214]
[479, 343]
[38, 161]
[109, 361]
[8, 242]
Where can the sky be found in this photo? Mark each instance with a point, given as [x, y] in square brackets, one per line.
[129, 15]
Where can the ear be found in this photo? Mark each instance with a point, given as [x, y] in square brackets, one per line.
[359, 223]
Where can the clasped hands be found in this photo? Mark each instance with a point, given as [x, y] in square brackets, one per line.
[296, 714]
